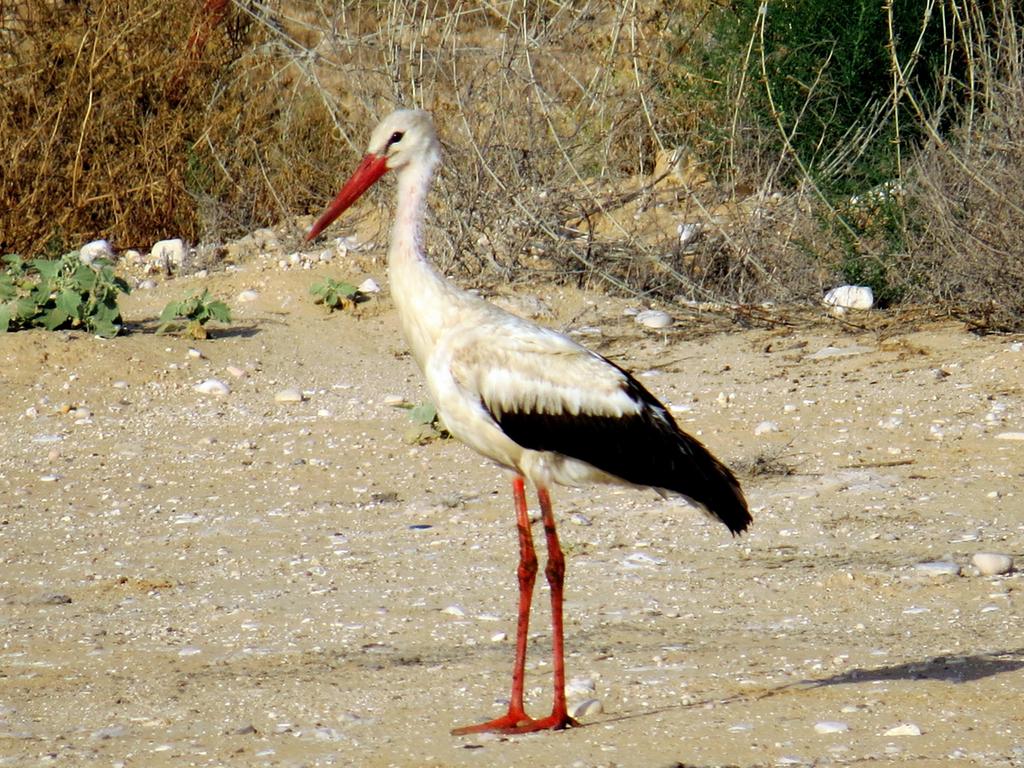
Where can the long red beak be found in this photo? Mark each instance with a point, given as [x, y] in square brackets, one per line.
[371, 169]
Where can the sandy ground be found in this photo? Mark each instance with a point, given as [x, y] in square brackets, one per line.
[197, 580]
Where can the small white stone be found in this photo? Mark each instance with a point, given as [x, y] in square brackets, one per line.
[688, 233]
[289, 395]
[369, 285]
[169, 253]
[454, 610]
[195, 354]
[938, 569]
[580, 686]
[765, 427]
[146, 285]
[906, 729]
[654, 318]
[1010, 436]
[97, 249]
[992, 563]
[234, 370]
[831, 726]
[586, 708]
[212, 387]
[190, 651]
[850, 297]
[499, 637]
[248, 295]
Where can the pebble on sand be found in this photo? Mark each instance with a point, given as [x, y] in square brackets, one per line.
[654, 318]
[992, 563]
[169, 253]
[850, 297]
[905, 729]
[938, 569]
[586, 708]
[247, 295]
[97, 249]
[214, 387]
[831, 726]
[289, 395]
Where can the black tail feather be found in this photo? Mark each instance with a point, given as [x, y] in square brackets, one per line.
[645, 448]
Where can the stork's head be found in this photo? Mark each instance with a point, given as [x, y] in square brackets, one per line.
[405, 137]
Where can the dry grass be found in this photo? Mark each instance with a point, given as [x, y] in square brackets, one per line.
[136, 121]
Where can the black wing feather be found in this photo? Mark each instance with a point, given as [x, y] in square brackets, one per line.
[646, 448]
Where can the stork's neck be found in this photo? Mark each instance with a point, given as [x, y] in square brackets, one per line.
[426, 302]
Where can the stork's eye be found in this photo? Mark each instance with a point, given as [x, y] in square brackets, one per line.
[395, 138]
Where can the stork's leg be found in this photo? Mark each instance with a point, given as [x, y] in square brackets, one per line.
[555, 572]
[527, 573]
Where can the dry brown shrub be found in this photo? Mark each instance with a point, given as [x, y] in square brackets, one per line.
[966, 250]
[136, 121]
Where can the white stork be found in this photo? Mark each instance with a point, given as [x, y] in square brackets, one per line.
[528, 398]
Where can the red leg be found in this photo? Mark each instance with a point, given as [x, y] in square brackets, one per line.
[555, 572]
[516, 720]
[527, 573]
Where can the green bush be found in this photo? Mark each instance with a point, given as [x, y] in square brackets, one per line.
[813, 83]
[60, 293]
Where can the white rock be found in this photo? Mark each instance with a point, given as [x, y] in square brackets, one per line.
[580, 686]
[454, 610]
[97, 249]
[212, 387]
[992, 563]
[169, 253]
[369, 285]
[653, 318]
[146, 285]
[234, 370]
[194, 353]
[1010, 436]
[765, 427]
[688, 233]
[586, 708]
[850, 297]
[247, 295]
[938, 569]
[499, 637]
[831, 726]
[289, 395]
[906, 729]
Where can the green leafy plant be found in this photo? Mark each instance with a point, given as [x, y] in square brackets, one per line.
[60, 293]
[192, 313]
[427, 424]
[335, 294]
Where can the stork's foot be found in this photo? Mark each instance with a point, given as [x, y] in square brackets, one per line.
[520, 722]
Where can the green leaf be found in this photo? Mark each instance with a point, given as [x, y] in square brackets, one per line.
[68, 301]
[219, 311]
[5, 318]
[48, 269]
[54, 319]
[105, 329]
[424, 413]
